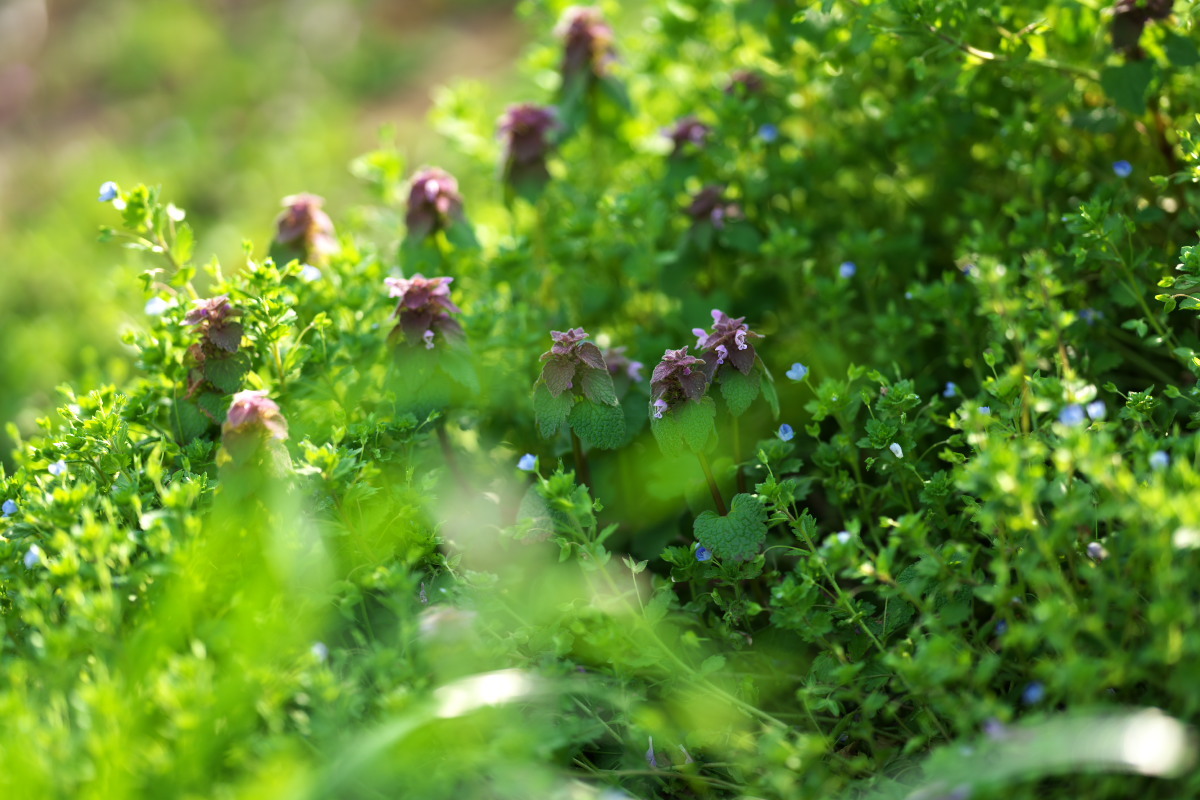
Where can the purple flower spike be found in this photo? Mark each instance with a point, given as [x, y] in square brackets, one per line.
[215, 319]
[688, 134]
[527, 131]
[728, 342]
[433, 203]
[709, 206]
[587, 44]
[253, 411]
[423, 308]
[303, 231]
[674, 381]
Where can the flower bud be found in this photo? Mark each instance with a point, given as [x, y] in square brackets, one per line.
[433, 203]
[303, 231]
[527, 131]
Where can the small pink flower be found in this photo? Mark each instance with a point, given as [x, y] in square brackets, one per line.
[428, 337]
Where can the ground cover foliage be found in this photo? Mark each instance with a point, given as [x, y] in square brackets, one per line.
[806, 409]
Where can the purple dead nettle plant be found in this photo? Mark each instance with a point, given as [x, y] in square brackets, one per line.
[687, 135]
[745, 83]
[575, 388]
[527, 131]
[253, 433]
[423, 312]
[678, 378]
[216, 364]
[709, 207]
[728, 346]
[303, 232]
[620, 365]
[587, 45]
[434, 203]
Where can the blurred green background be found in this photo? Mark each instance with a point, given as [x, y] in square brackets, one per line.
[229, 106]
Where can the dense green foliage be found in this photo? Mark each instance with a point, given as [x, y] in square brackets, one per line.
[918, 523]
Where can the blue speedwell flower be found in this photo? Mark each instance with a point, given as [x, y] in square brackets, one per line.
[1158, 460]
[528, 462]
[785, 432]
[1096, 410]
[1034, 693]
[1072, 415]
[319, 651]
[798, 372]
[896, 449]
[847, 269]
[768, 133]
[1122, 168]
[9, 508]
[57, 468]
[32, 556]
[108, 192]
[703, 553]
[951, 389]
[985, 410]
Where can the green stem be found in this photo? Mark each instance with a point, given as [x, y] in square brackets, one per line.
[712, 484]
[581, 463]
[737, 454]
[451, 458]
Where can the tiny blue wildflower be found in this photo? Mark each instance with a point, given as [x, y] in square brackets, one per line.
[156, 306]
[1090, 315]
[798, 372]
[57, 468]
[1072, 415]
[1158, 460]
[703, 553]
[32, 556]
[768, 133]
[1096, 410]
[1034, 693]
[1097, 551]
[785, 432]
[896, 449]
[985, 410]
[847, 269]
[9, 508]
[650, 759]
[309, 273]
[660, 406]
[528, 462]
[1001, 627]
[951, 389]
[1122, 168]
[994, 729]
[843, 537]
[319, 651]
[108, 192]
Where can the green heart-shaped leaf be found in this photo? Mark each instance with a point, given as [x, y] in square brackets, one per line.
[737, 536]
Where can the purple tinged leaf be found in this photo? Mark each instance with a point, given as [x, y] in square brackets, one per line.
[557, 374]
[227, 335]
[590, 354]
